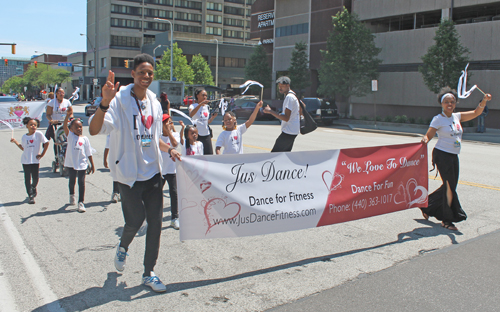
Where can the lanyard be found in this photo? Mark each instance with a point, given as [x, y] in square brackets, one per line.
[138, 107]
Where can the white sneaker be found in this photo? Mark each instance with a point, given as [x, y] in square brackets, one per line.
[154, 282]
[81, 207]
[119, 197]
[72, 199]
[114, 197]
[175, 223]
[120, 258]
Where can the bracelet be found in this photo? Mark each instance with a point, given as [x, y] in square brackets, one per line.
[482, 106]
[103, 108]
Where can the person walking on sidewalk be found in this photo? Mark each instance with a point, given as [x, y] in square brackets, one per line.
[480, 120]
[443, 203]
[290, 117]
[133, 118]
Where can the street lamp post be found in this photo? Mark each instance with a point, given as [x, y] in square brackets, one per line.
[95, 60]
[216, 63]
[154, 56]
[171, 45]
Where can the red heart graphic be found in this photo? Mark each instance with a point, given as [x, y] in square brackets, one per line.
[205, 114]
[148, 122]
[204, 185]
[332, 182]
[80, 143]
[18, 113]
[413, 189]
[63, 109]
[31, 141]
[223, 209]
[400, 197]
[185, 204]
[235, 137]
[328, 178]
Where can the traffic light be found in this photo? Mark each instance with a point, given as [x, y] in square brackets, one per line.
[6, 62]
[13, 49]
[36, 64]
[126, 63]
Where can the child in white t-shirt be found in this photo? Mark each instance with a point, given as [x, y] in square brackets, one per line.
[192, 146]
[173, 139]
[78, 151]
[31, 155]
[231, 139]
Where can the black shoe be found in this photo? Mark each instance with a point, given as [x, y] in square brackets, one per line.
[31, 200]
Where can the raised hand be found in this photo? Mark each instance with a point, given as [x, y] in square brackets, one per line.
[110, 88]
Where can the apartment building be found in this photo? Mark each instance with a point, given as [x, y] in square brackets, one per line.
[118, 29]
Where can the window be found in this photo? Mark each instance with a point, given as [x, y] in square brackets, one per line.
[233, 10]
[188, 4]
[188, 16]
[118, 22]
[124, 9]
[156, 26]
[233, 34]
[214, 6]
[158, 13]
[214, 18]
[119, 62]
[236, 1]
[149, 39]
[186, 28]
[233, 22]
[213, 31]
[291, 30]
[228, 62]
[103, 63]
[124, 41]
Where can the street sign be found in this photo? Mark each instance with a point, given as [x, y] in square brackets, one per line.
[80, 80]
[64, 64]
[96, 81]
[374, 85]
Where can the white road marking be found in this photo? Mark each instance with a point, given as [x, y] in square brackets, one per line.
[34, 272]
[7, 302]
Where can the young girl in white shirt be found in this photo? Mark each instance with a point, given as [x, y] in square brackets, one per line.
[31, 155]
[192, 146]
[231, 139]
[78, 150]
[172, 138]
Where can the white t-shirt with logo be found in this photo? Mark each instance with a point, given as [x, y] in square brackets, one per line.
[59, 109]
[200, 119]
[292, 126]
[449, 132]
[31, 147]
[168, 163]
[147, 165]
[196, 149]
[232, 141]
[78, 151]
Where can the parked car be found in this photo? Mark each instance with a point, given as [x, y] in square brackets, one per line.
[322, 110]
[245, 109]
[8, 98]
[188, 101]
[91, 108]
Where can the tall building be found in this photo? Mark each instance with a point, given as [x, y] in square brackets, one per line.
[117, 29]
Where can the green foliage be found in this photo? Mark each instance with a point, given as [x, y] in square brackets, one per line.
[258, 68]
[401, 119]
[444, 60]
[182, 71]
[349, 63]
[16, 84]
[363, 117]
[388, 119]
[411, 120]
[299, 68]
[378, 118]
[39, 77]
[201, 71]
[420, 121]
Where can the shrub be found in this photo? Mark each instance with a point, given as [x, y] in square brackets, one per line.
[363, 117]
[428, 121]
[351, 117]
[398, 119]
[388, 119]
[420, 121]
[404, 119]
[412, 120]
[378, 118]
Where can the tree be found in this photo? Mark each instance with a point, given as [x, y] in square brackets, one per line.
[201, 70]
[15, 83]
[45, 75]
[445, 60]
[299, 68]
[182, 71]
[258, 68]
[349, 63]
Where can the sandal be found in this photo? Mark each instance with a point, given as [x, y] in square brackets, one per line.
[426, 216]
[449, 226]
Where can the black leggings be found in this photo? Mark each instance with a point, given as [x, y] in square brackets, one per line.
[31, 178]
[172, 190]
[81, 183]
[448, 167]
[207, 144]
[284, 143]
[51, 134]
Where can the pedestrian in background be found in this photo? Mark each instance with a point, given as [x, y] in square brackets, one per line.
[31, 155]
[78, 154]
[480, 120]
[55, 113]
[165, 103]
[200, 113]
[290, 117]
[443, 203]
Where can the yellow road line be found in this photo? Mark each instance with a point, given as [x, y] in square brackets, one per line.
[489, 187]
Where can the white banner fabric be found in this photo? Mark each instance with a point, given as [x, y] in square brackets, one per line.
[14, 113]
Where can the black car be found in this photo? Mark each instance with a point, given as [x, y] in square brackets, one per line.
[321, 110]
[246, 109]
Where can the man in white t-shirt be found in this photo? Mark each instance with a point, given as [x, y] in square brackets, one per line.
[290, 117]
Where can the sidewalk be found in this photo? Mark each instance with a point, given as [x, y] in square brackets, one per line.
[490, 136]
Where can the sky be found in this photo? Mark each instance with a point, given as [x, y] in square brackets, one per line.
[48, 26]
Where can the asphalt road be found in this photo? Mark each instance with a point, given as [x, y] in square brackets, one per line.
[53, 258]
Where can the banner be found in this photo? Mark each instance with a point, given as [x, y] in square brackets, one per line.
[253, 194]
[14, 113]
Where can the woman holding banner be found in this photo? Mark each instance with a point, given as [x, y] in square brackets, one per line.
[443, 202]
[200, 113]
